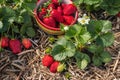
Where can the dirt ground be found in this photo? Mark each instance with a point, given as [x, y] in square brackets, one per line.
[27, 64]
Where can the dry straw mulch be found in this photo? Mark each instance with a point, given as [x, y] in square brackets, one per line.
[27, 65]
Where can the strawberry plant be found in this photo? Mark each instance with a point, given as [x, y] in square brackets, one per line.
[16, 22]
[15, 18]
[110, 6]
[85, 43]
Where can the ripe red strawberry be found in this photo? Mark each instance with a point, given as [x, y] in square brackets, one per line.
[4, 42]
[56, 2]
[51, 6]
[42, 13]
[26, 43]
[69, 9]
[15, 46]
[59, 9]
[63, 5]
[47, 60]
[49, 21]
[54, 66]
[57, 16]
[68, 19]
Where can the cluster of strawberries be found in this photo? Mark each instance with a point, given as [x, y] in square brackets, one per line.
[57, 12]
[15, 44]
[54, 66]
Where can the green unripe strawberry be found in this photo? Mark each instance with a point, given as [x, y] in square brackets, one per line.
[51, 39]
[48, 50]
[61, 67]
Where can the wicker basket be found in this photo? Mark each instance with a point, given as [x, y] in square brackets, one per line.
[46, 28]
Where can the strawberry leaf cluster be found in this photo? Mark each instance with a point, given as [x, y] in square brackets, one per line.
[110, 6]
[16, 18]
[85, 43]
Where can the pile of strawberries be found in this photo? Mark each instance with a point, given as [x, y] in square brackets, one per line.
[55, 12]
[14, 44]
[54, 66]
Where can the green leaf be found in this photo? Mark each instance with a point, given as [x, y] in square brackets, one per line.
[5, 25]
[1, 24]
[84, 64]
[96, 49]
[30, 32]
[96, 61]
[23, 29]
[11, 20]
[107, 26]
[106, 57]
[58, 52]
[83, 37]
[94, 27]
[26, 18]
[8, 12]
[63, 50]
[99, 26]
[82, 59]
[78, 2]
[60, 56]
[73, 30]
[91, 2]
[19, 19]
[106, 39]
[15, 29]
[111, 6]
[62, 41]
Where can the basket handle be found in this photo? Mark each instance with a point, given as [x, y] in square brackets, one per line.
[40, 2]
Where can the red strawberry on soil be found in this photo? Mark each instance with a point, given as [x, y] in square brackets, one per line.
[69, 9]
[54, 66]
[26, 43]
[15, 46]
[47, 60]
[57, 16]
[68, 19]
[4, 42]
[49, 21]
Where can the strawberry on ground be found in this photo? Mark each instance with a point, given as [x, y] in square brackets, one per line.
[47, 60]
[49, 21]
[68, 20]
[54, 66]
[69, 9]
[4, 42]
[26, 43]
[15, 46]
